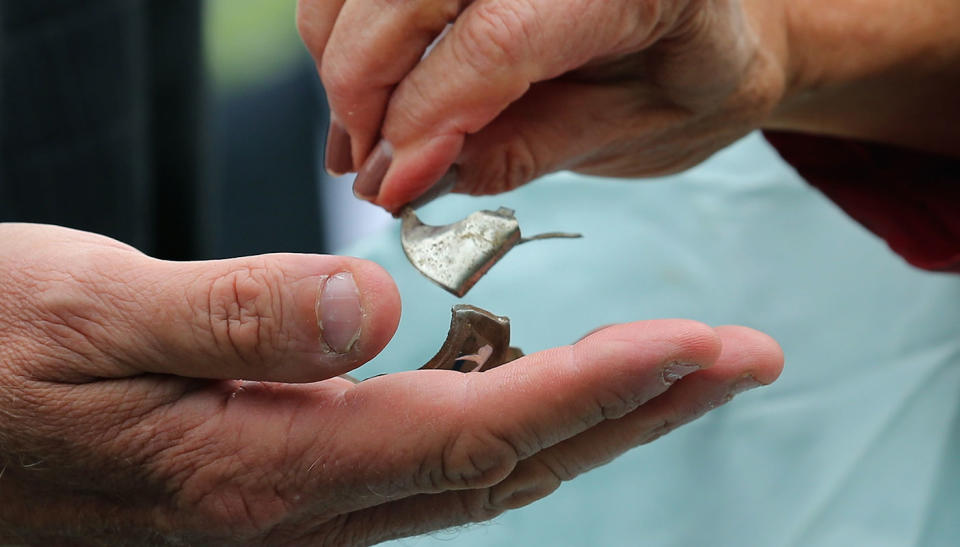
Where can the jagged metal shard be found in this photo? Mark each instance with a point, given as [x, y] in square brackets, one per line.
[457, 255]
[477, 341]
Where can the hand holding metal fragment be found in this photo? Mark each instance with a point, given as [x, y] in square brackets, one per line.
[477, 341]
[457, 255]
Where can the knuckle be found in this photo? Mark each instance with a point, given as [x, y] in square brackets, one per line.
[654, 432]
[556, 470]
[496, 36]
[510, 166]
[338, 83]
[245, 312]
[478, 505]
[411, 112]
[613, 405]
[534, 479]
[347, 76]
[519, 161]
[473, 459]
[345, 73]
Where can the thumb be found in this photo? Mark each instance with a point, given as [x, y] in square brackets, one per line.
[77, 306]
[282, 317]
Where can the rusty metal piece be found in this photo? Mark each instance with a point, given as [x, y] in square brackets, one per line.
[477, 341]
[457, 255]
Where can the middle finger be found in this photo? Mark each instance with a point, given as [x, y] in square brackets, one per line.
[373, 45]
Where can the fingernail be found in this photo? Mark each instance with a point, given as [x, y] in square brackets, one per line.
[370, 177]
[439, 189]
[339, 152]
[338, 312]
[674, 371]
[745, 383]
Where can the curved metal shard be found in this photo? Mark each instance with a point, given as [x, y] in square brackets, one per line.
[477, 341]
[457, 255]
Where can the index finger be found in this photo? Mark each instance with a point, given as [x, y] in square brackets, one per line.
[370, 48]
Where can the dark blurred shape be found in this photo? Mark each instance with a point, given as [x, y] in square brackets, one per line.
[99, 118]
[176, 119]
[266, 165]
[103, 128]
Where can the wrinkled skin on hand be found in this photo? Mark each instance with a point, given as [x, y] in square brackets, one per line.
[516, 89]
[123, 420]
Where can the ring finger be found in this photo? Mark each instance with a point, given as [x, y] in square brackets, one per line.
[357, 74]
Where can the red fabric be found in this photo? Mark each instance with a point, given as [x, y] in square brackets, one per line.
[911, 199]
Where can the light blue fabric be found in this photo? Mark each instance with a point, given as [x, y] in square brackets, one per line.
[857, 444]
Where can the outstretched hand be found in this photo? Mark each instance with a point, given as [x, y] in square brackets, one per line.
[124, 419]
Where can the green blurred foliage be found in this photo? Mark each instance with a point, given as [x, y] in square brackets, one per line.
[248, 40]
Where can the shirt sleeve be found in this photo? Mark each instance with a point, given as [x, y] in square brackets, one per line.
[911, 199]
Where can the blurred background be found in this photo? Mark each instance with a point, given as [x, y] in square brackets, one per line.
[268, 121]
[188, 129]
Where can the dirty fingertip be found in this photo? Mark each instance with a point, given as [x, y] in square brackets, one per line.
[752, 349]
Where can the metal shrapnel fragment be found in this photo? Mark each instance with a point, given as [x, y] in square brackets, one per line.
[457, 255]
[477, 341]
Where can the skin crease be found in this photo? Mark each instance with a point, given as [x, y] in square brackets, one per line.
[516, 89]
[134, 412]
